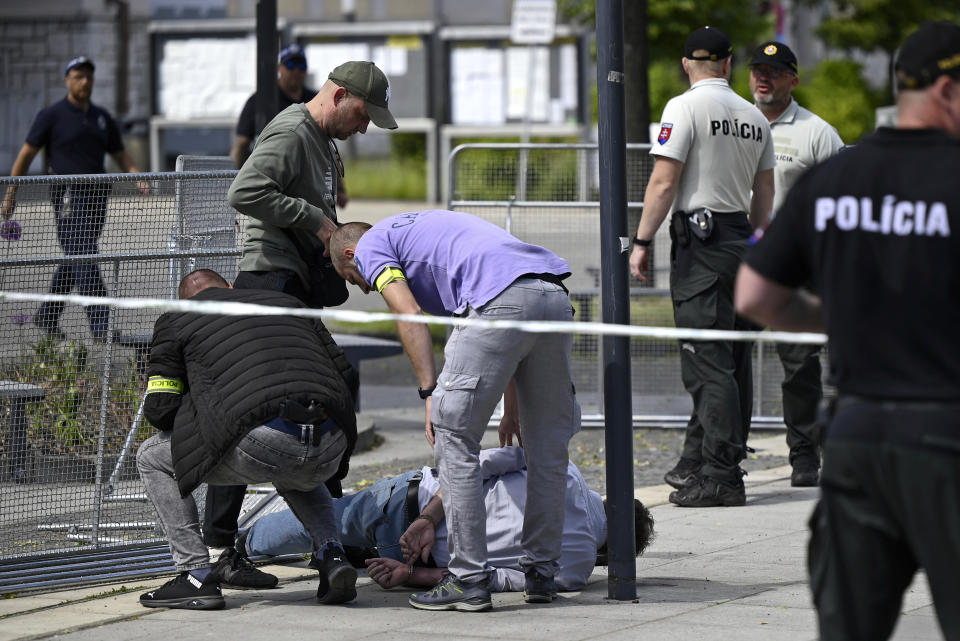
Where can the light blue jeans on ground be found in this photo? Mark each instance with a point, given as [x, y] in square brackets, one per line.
[479, 364]
[264, 455]
[374, 517]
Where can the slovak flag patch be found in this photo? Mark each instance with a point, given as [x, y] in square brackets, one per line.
[665, 130]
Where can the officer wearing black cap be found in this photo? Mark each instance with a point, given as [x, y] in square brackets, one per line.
[714, 172]
[876, 229]
[801, 139]
[291, 75]
[76, 134]
[288, 190]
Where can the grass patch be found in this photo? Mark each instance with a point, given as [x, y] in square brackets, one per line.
[386, 178]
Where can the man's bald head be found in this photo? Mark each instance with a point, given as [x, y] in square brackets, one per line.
[199, 280]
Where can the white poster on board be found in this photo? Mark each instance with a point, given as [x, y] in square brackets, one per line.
[528, 69]
[323, 57]
[476, 79]
[391, 60]
[217, 88]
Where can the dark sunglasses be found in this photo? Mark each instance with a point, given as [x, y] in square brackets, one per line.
[295, 63]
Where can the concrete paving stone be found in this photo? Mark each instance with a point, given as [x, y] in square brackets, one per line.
[736, 615]
[918, 625]
[788, 595]
[682, 630]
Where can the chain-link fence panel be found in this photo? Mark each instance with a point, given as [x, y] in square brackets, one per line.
[72, 378]
[548, 194]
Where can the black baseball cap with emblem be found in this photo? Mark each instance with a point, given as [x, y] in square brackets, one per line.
[364, 79]
[931, 51]
[707, 43]
[776, 54]
[79, 61]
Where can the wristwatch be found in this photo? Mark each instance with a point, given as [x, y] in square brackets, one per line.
[426, 393]
[639, 242]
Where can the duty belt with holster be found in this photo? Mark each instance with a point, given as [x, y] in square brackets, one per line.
[708, 226]
[308, 424]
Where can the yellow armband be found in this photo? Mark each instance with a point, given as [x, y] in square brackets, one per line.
[387, 276]
[158, 384]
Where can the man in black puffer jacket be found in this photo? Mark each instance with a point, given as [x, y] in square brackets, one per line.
[245, 399]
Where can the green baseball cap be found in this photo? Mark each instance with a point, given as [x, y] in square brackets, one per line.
[367, 81]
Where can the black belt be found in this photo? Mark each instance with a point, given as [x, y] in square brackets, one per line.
[303, 431]
[413, 497]
[549, 278]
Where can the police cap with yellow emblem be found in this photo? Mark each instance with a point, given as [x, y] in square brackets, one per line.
[776, 54]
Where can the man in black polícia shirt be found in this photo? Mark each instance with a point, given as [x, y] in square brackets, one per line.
[873, 230]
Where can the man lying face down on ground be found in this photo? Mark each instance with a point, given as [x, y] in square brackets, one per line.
[373, 526]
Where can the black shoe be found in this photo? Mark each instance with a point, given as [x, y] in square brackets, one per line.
[233, 569]
[185, 592]
[538, 588]
[806, 473]
[338, 579]
[710, 493]
[686, 473]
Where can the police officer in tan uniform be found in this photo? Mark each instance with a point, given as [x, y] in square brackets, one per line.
[801, 139]
[714, 147]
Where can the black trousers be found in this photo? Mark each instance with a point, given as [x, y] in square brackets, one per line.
[802, 392]
[224, 502]
[718, 375]
[890, 504]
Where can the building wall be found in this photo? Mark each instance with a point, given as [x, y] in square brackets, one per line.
[37, 40]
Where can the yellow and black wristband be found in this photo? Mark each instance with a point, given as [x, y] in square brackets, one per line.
[159, 384]
[387, 276]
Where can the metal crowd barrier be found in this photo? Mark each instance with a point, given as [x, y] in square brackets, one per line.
[548, 194]
[73, 418]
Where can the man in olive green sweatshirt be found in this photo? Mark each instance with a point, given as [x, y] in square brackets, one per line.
[288, 189]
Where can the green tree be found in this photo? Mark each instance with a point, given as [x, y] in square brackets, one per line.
[654, 32]
[879, 25]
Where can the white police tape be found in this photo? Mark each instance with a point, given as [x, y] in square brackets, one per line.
[539, 327]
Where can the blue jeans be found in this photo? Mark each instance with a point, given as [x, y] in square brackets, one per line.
[296, 469]
[78, 232]
[374, 517]
[479, 364]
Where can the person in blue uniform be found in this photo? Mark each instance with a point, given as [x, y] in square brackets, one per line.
[76, 134]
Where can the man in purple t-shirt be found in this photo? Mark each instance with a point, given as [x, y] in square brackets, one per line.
[450, 263]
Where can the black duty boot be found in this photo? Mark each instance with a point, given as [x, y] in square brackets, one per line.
[806, 472]
[684, 474]
[710, 493]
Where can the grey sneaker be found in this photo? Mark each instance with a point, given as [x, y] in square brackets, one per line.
[451, 594]
[539, 588]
